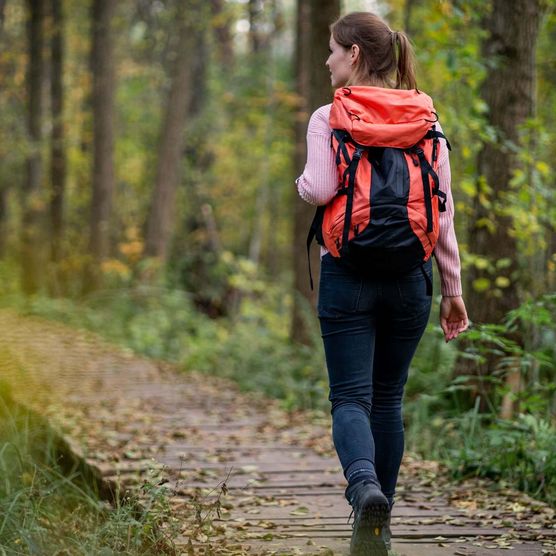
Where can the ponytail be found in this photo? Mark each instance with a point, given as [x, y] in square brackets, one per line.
[385, 55]
[405, 69]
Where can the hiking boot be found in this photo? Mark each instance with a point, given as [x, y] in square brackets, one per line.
[371, 511]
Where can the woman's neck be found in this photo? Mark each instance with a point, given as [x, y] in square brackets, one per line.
[372, 81]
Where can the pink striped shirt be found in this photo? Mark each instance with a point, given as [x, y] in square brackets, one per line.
[319, 182]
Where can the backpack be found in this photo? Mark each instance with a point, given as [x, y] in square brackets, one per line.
[383, 220]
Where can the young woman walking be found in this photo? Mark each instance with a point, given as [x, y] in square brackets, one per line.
[371, 324]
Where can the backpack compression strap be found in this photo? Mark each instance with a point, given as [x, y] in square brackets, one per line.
[426, 171]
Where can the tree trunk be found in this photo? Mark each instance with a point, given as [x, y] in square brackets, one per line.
[58, 157]
[407, 16]
[2, 8]
[263, 192]
[31, 214]
[160, 221]
[313, 87]
[3, 189]
[255, 9]
[103, 91]
[509, 92]
[224, 41]
[3, 220]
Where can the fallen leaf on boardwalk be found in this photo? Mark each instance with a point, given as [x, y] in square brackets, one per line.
[246, 469]
[287, 502]
[302, 510]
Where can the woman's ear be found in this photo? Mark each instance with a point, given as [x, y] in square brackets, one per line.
[354, 53]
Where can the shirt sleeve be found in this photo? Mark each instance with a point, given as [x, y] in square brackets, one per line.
[446, 251]
[319, 182]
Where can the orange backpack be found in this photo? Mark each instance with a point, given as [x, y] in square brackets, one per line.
[383, 220]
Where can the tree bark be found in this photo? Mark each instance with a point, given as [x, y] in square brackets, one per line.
[255, 10]
[509, 92]
[160, 221]
[224, 41]
[266, 52]
[3, 220]
[2, 17]
[313, 87]
[4, 189]
[31, 214]
[103, 92]
[58, 156]
[408, 16]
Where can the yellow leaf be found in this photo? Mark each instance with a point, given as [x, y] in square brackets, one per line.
[481, 284]
[481, 263]
[543, 168]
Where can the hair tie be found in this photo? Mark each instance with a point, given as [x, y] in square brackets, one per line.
[395, 37]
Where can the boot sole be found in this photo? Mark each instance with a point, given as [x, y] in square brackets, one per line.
[367, 532]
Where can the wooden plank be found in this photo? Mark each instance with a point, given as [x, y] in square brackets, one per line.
[422, 532]
[330, 513]
[410, 547]
[253, 466]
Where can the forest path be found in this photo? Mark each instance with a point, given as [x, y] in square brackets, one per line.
[242, 475]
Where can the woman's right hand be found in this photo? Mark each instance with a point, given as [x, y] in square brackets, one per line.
[453, 317]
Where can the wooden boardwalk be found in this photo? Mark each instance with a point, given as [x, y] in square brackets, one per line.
[242, 476]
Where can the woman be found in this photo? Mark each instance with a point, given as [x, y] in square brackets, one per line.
[371, 326]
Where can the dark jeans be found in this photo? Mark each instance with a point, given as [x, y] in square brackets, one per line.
[370, 328]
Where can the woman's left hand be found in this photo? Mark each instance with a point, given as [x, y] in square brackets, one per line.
[453, 317]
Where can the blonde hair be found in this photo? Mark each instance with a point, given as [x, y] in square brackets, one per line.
[383, 53]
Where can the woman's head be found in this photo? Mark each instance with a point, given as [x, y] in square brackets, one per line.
[365, 51]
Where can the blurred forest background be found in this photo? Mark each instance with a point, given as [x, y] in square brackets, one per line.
[148, 153]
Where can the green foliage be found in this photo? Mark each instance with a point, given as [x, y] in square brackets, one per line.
[441, 424]
[254, 350]
[519, 453]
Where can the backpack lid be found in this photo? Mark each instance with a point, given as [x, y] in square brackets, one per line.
[380, 117]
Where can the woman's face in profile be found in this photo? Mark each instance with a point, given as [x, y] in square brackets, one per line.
[340, 63]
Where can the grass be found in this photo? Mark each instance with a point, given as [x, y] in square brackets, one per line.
[46, 508]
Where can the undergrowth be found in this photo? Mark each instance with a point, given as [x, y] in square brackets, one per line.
[253, 348]
[48, 509]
